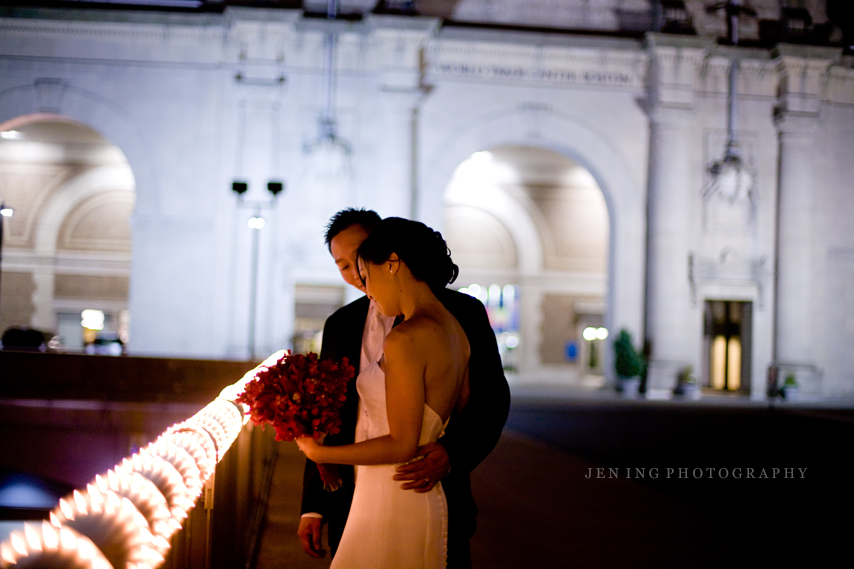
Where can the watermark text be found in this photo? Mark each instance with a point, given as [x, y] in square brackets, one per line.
[697, 473]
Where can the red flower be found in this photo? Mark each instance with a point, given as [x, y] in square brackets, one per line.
[299, 395]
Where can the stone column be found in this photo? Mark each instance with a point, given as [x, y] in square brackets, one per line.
[668, 294]
[672, 181]
[396, 174]
[391, 180]
[801, 74]
[794, 327]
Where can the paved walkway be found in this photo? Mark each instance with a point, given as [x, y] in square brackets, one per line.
[539, 509]
[536, 510]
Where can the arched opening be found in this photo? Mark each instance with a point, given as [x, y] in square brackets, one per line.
[529, 229]
[67, 245]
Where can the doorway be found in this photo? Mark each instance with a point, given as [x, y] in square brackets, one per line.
[727, 333]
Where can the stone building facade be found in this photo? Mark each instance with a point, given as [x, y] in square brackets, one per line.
[597, 211]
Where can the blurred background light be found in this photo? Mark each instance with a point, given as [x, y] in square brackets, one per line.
[92, 319]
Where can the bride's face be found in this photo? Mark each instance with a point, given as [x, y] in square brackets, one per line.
[381, 285]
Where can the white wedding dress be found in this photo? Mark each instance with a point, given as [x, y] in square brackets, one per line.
[391, 528]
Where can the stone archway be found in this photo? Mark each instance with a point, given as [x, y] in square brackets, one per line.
[55, 97]
[623, 190]
[489, 198]
[70, 238]
[531, 227]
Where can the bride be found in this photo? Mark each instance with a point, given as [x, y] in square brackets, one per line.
[409, 396]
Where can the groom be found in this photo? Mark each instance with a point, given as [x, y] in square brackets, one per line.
[356, 331]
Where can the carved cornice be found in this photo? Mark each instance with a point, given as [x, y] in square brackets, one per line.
[756, 77]
[840, 85]
[672, 69]
[675, 65]
[395, 48]
[135, 31]
[804, 75]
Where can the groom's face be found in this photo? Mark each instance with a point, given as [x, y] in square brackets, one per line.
[343, 248]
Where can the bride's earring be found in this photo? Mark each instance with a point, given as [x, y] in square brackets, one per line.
[393, 264]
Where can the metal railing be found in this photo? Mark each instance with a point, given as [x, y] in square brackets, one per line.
[126, 517]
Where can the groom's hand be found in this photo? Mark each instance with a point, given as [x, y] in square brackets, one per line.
[423, 474]
[310, 536]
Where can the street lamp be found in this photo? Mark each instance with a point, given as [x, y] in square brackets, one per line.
[4, 213]
[256, 223]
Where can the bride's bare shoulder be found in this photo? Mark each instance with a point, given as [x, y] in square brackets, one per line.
[414, 334]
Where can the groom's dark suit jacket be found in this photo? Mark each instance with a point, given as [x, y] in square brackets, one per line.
[471, 434]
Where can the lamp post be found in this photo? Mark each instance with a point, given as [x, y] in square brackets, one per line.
[4, 212]
[256, 223]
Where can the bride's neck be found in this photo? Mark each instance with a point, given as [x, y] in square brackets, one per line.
[418, 296]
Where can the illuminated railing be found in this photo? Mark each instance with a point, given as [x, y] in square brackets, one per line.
[125, 518]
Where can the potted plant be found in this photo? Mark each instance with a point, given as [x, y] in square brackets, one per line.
[628, 364]
[790, 388]
[686, 384]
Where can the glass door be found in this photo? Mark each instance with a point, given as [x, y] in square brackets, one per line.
[727, 332]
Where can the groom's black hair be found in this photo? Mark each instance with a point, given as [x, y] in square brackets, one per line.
[367, 219]
[423, 250]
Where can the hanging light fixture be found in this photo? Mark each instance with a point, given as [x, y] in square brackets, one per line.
[328, 155]
[731, 177]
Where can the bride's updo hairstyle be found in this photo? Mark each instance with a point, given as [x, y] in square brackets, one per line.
[423, 250]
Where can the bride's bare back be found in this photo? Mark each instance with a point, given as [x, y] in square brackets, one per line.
[432, 346]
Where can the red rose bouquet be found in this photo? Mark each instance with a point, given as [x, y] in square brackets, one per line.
[300, 396]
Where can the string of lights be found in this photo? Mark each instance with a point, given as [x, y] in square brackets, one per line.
[125, 517]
